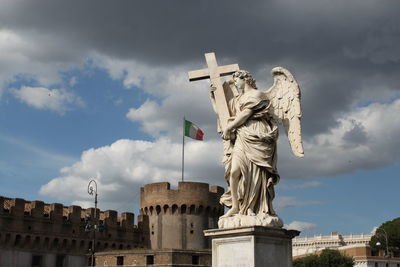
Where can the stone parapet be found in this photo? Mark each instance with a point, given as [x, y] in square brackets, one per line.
[38, 210]
[38, 226]
[189, 197]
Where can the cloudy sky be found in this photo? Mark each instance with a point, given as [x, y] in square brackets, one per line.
[98, 89]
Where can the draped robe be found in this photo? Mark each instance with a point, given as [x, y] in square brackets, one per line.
[254, 148]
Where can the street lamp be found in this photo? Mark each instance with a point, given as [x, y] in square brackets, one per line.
[384, 233]
[91, 223]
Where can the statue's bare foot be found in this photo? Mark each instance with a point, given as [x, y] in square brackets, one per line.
[250, 212]
[230, 212]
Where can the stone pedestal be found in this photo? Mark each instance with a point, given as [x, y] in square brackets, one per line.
[255, 246]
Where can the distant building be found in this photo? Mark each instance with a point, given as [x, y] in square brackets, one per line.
[169, 230]
[354, 245]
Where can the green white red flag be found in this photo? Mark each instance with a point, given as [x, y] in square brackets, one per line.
[192, 131]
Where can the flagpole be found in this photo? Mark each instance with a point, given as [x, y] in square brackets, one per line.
[183, 147]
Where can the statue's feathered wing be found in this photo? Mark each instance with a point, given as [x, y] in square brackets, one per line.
[284, 96]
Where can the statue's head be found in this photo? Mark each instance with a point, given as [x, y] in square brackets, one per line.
[246, 77]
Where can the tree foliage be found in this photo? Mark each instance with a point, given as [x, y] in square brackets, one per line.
[327, 258]
[392, 229]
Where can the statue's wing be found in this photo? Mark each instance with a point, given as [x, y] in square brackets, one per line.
[284, 96]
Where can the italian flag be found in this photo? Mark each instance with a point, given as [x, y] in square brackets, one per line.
[192, 130]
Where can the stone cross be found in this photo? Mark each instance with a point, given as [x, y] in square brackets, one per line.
[214, 72]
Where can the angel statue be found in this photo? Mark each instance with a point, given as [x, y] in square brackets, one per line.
[250, 145]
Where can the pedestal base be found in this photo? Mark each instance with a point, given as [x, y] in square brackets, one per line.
[251, 247]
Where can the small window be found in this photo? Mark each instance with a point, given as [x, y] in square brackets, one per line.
[120, 260]
[37, 260]
[195, 260]
[149, 259]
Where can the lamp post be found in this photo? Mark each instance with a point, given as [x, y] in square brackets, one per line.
[91, 224]
[384, 233]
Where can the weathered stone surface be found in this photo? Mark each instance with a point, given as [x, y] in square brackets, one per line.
[178, 217]
[252, 246]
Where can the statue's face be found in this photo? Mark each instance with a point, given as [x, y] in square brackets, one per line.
[239, 83]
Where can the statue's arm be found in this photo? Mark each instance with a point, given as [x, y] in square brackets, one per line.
[240, 118]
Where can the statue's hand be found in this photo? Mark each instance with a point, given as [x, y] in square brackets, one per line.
[270, 182]
[226, 134]
[212, 88]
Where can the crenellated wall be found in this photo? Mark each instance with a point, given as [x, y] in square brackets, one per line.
[38, 226]
[177, 218]
[34, 231]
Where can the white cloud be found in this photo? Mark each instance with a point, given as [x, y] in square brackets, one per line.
[301, 226]
[58, 100]
[175, 97]
[126, 165]
[35, 55]
[364, 139]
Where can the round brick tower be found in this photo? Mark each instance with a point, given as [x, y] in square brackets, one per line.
[178, 217]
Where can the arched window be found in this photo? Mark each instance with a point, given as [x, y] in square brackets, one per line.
[208, 210]
[73, 244]
[200, 209]
[165, 209]
[64, 243]
[81, 244]
[158, 209]
[8, 238]
[36, 243]
[27, 241]
[46, 243]
[183, 209]
[174, 208]
[55, 243]
[192, 209]
[17, 240]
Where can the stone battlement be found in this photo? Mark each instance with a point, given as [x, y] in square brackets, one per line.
[189, 197]
[17, 207]
[38, 226]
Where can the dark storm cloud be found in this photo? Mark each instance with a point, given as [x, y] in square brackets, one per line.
[333, 47]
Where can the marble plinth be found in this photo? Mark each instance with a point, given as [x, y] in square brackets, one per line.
[255, 246]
